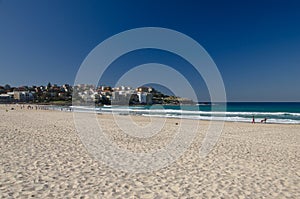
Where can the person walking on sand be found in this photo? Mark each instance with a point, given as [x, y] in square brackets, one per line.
[253, 120]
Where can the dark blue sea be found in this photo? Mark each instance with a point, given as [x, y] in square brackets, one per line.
[274, 112]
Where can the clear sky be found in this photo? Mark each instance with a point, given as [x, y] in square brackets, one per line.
[255, 44]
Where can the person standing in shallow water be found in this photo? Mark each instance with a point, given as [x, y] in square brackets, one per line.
[264, 120]
[253, 120]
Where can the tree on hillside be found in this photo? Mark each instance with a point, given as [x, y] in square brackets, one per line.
[7, 87]
[49, 85]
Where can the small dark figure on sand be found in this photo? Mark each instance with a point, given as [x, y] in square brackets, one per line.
[253, 120]
[264, 120]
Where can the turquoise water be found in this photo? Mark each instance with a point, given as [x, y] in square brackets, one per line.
[279, 112]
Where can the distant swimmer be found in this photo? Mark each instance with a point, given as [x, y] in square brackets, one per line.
[253, 120]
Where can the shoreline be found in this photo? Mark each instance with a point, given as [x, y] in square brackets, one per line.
[70, 109]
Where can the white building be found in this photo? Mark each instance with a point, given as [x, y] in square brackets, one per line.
[145, 98]
[5, 98]
[22, 96]
[121, 97]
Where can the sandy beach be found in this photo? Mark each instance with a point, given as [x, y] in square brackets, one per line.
[41, 156]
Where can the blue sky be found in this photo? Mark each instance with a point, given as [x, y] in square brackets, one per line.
[255, 44]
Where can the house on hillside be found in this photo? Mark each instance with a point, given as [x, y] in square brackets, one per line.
[145, 98]
[5, 98]
[22, 96]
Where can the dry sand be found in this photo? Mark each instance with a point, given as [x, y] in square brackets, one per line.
[41, 156]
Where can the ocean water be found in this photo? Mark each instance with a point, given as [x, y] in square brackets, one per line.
[275, 112]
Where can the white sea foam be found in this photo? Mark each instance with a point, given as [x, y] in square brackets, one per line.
[165, 111]
[201, 115]
[230, 119]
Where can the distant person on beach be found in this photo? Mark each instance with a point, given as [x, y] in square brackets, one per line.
[253, 120]
[264, 120]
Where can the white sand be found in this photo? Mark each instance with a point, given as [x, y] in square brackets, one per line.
[41, 156]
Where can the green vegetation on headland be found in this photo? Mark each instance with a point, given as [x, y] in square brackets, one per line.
[67, 95]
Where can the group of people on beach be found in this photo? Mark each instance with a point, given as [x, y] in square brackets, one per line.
[261, 121]
[39, 107]
[36, 107]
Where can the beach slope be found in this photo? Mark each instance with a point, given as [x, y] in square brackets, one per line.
[41, 156]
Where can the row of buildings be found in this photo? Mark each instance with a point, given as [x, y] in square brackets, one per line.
[121, 95]
[35, 94]
[80, 93]
[84, 93]
[16, 96]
